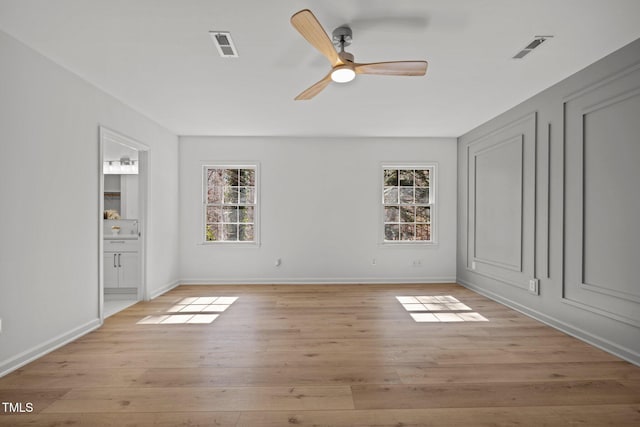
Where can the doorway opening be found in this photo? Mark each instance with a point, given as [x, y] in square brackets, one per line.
[122, 231]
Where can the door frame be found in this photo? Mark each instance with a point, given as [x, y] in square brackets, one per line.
[106, 135]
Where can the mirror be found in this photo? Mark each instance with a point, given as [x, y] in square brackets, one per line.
[121, 195]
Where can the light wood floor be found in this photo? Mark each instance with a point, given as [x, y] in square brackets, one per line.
[325, 356]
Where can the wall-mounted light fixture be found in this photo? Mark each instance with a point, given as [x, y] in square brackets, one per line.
[124, 166]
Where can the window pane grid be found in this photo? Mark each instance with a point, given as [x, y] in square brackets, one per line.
[407, 204]
[230, 204]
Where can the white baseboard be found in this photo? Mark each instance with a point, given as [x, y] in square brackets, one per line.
[602, 343]
[318, 281]
[38, 351]
[157, 292]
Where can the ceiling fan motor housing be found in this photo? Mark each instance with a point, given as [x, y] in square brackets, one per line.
[342, 36]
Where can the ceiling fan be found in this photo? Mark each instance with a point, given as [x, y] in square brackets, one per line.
[343, 68]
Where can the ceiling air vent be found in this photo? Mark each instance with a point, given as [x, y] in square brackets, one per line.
[537, 41]
[224, 44]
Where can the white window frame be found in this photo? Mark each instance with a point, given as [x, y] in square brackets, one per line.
[203, 222]
[433, 202]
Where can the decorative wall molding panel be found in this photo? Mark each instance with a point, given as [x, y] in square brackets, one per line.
[602, 237]
[543, 204]
[501, 203]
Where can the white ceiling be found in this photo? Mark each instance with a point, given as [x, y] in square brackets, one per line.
[157, 57]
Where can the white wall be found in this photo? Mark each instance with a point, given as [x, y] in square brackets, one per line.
[320, 211]
[573, 150]
[49, 122]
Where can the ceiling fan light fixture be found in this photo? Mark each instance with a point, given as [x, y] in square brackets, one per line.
[343, 74]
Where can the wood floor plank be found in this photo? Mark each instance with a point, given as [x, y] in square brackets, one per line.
[194, 399]
[90, 376]
[255, 376]
[101, 419]
[596, 392]
[598, 416]
[556, 416]
[325, 355]
[279, 359]
[521, 372]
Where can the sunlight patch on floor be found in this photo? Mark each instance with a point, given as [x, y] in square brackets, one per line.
[439, 308]
[191, 310]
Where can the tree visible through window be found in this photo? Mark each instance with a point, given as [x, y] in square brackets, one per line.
[407, 199]
[230, 204]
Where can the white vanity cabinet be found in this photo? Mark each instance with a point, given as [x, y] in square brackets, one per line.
[121, 263]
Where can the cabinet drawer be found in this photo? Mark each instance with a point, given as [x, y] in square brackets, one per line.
[120, 245]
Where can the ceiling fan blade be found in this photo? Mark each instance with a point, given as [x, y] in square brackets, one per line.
[314, 89]
[395, 68]
[307, 25]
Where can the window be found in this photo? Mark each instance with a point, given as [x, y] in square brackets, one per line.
[230, 204]
[408, 203]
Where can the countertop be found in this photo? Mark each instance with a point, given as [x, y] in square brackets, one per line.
[120, 237]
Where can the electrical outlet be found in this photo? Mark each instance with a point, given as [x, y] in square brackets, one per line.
[0, 326]
[534, 286]
[473, 265]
